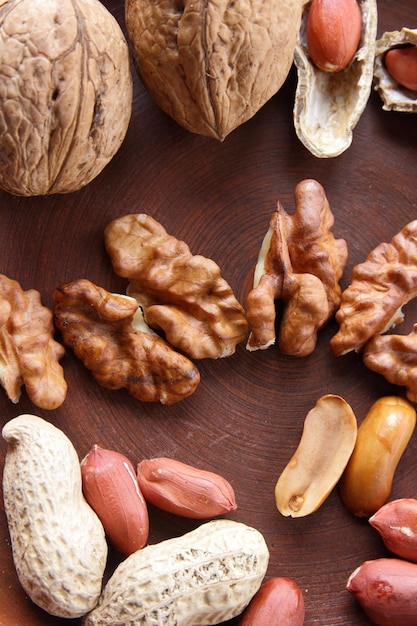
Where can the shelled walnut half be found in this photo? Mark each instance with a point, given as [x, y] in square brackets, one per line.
[183, 295]
[394, 357]
[379, 288]
[29, 355]
[300, 263]
[107, 332]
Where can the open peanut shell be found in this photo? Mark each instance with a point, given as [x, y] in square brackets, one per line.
[329, 105]
[394, 96]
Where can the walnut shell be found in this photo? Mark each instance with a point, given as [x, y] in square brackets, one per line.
[328, 105]
[212, 65]
[394, 96]
[66, 94]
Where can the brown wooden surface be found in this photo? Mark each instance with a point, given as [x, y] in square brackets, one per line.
[245, 419]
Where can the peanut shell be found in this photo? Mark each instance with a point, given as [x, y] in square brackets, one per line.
[329, 105]
[394, 96]
[206, 576]
[58, 542]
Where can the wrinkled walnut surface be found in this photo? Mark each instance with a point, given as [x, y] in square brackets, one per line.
[300, 263]
[116, 346]
[66, 93]
[395, 357]
[29, 355]
[182, 294]
[212, 65]
[380, 287]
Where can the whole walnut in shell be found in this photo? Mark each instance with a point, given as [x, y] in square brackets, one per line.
[66, 94]
[211, 65]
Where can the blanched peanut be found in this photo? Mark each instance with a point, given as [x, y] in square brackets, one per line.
[386, 590]
[401, 64]
[326, 444]
[185, 490]
[279, 602]
[382, 438]
[396, 522]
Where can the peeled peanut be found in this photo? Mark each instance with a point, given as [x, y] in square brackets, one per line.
[382, 438]
[396, 522]
[111, 489]
[327, 441]
[401, 63]
[179, 488]
[386, 590]
[279, 602]
[333, 33]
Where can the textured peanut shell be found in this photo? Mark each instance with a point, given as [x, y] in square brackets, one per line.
[394, 96]
[66, 94]
[58, 542]
[206, 576]
[212, 65]
[328, 105]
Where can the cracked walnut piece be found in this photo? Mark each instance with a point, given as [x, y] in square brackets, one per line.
[300, 263]
[380, 287]
[181, 294]
[107, 332]
[29, 354]
[395, 357]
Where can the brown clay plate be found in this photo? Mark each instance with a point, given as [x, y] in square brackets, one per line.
[245, 419]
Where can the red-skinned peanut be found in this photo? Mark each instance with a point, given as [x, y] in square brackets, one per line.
[396, 522]
[334, 30]
[278, 602]
[184, 490]
[401, 64]
[111, 489]
[386, 589]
